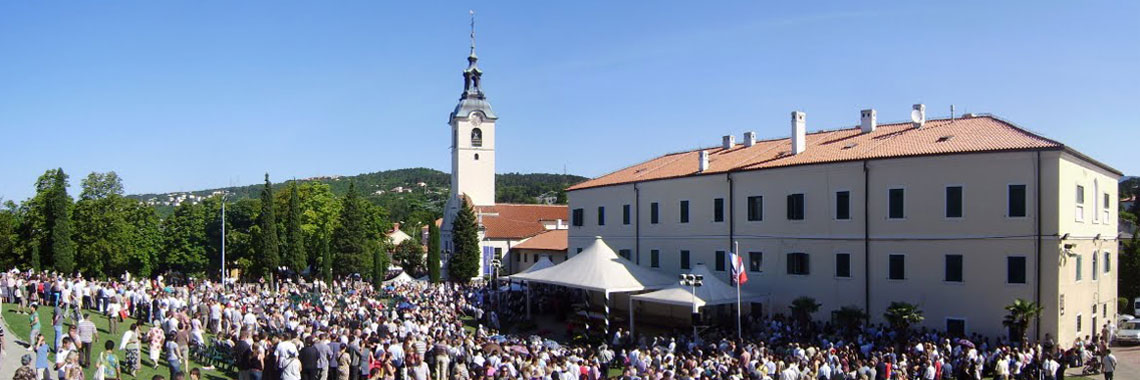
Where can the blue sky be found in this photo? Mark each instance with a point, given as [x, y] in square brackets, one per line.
[184, 95]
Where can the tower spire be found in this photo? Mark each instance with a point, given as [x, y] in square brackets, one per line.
[472, 74]
[472, 12]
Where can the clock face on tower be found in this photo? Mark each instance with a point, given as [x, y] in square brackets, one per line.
[475, 119]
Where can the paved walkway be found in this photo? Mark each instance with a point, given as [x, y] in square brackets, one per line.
[12, 353]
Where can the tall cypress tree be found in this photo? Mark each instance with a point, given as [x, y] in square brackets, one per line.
[295, 246]
[433, 252]
[267, 247]
[59, 209]
[464, 264]
[350, 238]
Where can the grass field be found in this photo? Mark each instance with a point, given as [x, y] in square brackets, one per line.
[19, 329]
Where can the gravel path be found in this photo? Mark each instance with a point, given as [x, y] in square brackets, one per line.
[12, 353]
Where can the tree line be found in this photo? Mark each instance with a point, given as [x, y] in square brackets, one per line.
[302, 227]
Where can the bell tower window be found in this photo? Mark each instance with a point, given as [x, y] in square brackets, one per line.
[476, 137]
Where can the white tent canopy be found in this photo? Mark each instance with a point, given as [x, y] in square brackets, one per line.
[404, 277]
[599, 268]
[715, 291]
[542, 263]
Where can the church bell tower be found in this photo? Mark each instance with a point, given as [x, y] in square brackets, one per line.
[473, 138]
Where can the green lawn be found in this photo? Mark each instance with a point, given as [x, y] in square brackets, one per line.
[19, 329]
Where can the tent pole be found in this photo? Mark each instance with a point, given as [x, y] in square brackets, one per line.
[528, 301]
[631, 316]
[607, 316]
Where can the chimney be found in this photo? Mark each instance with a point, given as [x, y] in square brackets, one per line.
[918, 116]
[728, 141]
[749, 138]
[704, 161]
[798, 131]
[868, 120]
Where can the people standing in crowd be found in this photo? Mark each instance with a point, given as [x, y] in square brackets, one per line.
[87, 335]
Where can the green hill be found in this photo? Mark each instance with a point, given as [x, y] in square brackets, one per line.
[407, 194]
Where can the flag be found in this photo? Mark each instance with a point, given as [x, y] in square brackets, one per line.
[739, 275]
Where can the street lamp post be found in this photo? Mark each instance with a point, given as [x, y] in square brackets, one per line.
[694, 281]
[496, 266]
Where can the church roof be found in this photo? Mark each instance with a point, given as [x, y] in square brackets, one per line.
[549, 240]
[518, 221]
[471, 104]
[973, 134]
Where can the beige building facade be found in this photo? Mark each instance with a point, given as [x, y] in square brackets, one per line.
[867, 216]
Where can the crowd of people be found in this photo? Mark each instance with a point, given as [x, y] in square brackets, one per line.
[350, 330]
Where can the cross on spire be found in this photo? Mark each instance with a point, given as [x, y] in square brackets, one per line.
[472, 12]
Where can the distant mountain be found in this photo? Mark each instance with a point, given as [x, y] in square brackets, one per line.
[1129, 186]
[403, 192]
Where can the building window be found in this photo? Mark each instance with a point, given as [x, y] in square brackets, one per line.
[1094, 267]
[896, 267]
[1080, 211]
[953, 268]
[843, 265]
[1078, 323]
[843, 205]
[685, 260]
[476, 156]
[1015, 270]
[601, 216]
[755, 261]
[1107, 263]
[718, 210]
[895, 198]
[1106, 208]
[956, 327]
[720, 261]
[576, 217]
[1078, 264]
[798, 264]
[684, 211]
[953, 201]
[795, 207]
[625, 214]
[1096, 216]
[627, 254]
[654, 214]
[655, 258]
[1017, 201]
[476, 137]
[756, 208]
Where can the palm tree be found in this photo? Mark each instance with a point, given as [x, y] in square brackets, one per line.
[850, 318]
[1020, 313]
[803, 308]
[901, 315]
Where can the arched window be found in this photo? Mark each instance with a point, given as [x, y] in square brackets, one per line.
[476, 137]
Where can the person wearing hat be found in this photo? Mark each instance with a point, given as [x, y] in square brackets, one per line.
[25, 372]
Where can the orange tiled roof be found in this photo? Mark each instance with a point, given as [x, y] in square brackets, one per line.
[942, 136]
[550, 240]
[518, 221]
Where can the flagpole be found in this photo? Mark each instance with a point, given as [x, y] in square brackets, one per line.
[740, 262]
